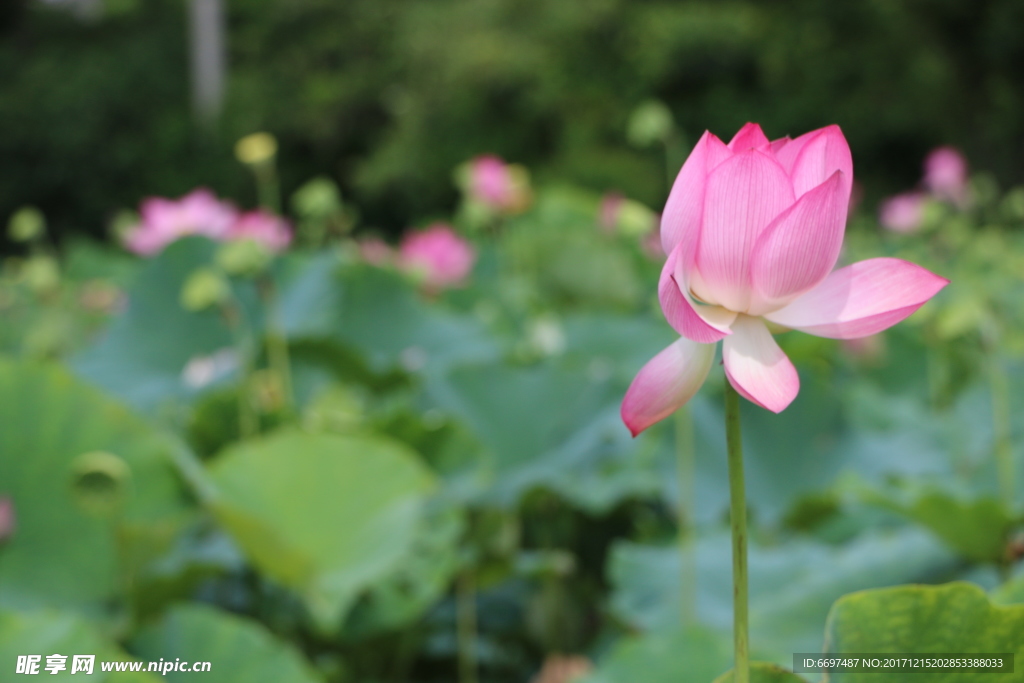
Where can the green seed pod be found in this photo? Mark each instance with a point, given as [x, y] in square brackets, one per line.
[41, 274]
[204, 288]
[100, 482]
[26, 225]
[243, 257]
[649, 123]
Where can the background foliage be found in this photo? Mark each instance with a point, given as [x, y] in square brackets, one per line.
[386, 96]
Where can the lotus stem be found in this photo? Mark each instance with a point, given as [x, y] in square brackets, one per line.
[277, 343]
[999, 389]
[1001, 430]
[248, 424]
[268, 189]
[738, 519]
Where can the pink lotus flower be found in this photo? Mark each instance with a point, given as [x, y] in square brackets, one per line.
[902, 212]
[608, 212]
[490, 181]
[166, 220]
[498, 186]
[865, 349]
[650, 245]
[375, 251]
[443, 258]
[753, 230]
[6, 518]
[272, 231]
[945, 174]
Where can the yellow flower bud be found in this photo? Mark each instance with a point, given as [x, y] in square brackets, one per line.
[257, 148]
[26, 225]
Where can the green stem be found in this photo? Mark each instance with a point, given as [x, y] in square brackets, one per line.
[1000, 389]
[268, 190]
[686, 470]
[466, 625]
[277, 343]
[738, 518]
[248, 426]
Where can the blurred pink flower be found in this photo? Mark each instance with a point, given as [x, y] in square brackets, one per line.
[490, 181]
[375, 251]
[650, 244]
[6, 518]
[608, 212]
[902, 212]
[270, 230]
[443, 258]
[945, 174]
[868, 349]
[753, 230]
[166, 220]
[501, 187]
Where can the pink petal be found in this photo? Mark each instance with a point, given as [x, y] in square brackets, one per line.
[681, 311]
[757, 367]
[685, 206]
[812, 158]
[800, 247]
[787, 154]
[665, 383]
[861, 299]
[749, 137]
[779, 144]
[744, 194]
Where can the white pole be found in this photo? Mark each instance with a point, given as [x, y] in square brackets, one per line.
[209, 62]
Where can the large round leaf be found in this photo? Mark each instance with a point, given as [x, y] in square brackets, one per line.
[951, 619]
[239, 650]
[977, 528]
[418, 583]
[142, 356]
[764, 672]
[792, 585]
[554, 425]
[693, 655]
[61, 554]
[380, 315]
[55, 633]
[324, 514]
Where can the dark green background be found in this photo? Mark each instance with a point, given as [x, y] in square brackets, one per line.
[387, 96]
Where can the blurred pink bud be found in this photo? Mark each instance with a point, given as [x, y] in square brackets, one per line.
[650, 244]
[375, 251]
[902, 212]
[865, 349]
[272, 231]
[443, 258]
[165, 220]
[945, 174]
[491, 182]
[608, 212]
[6, 518]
